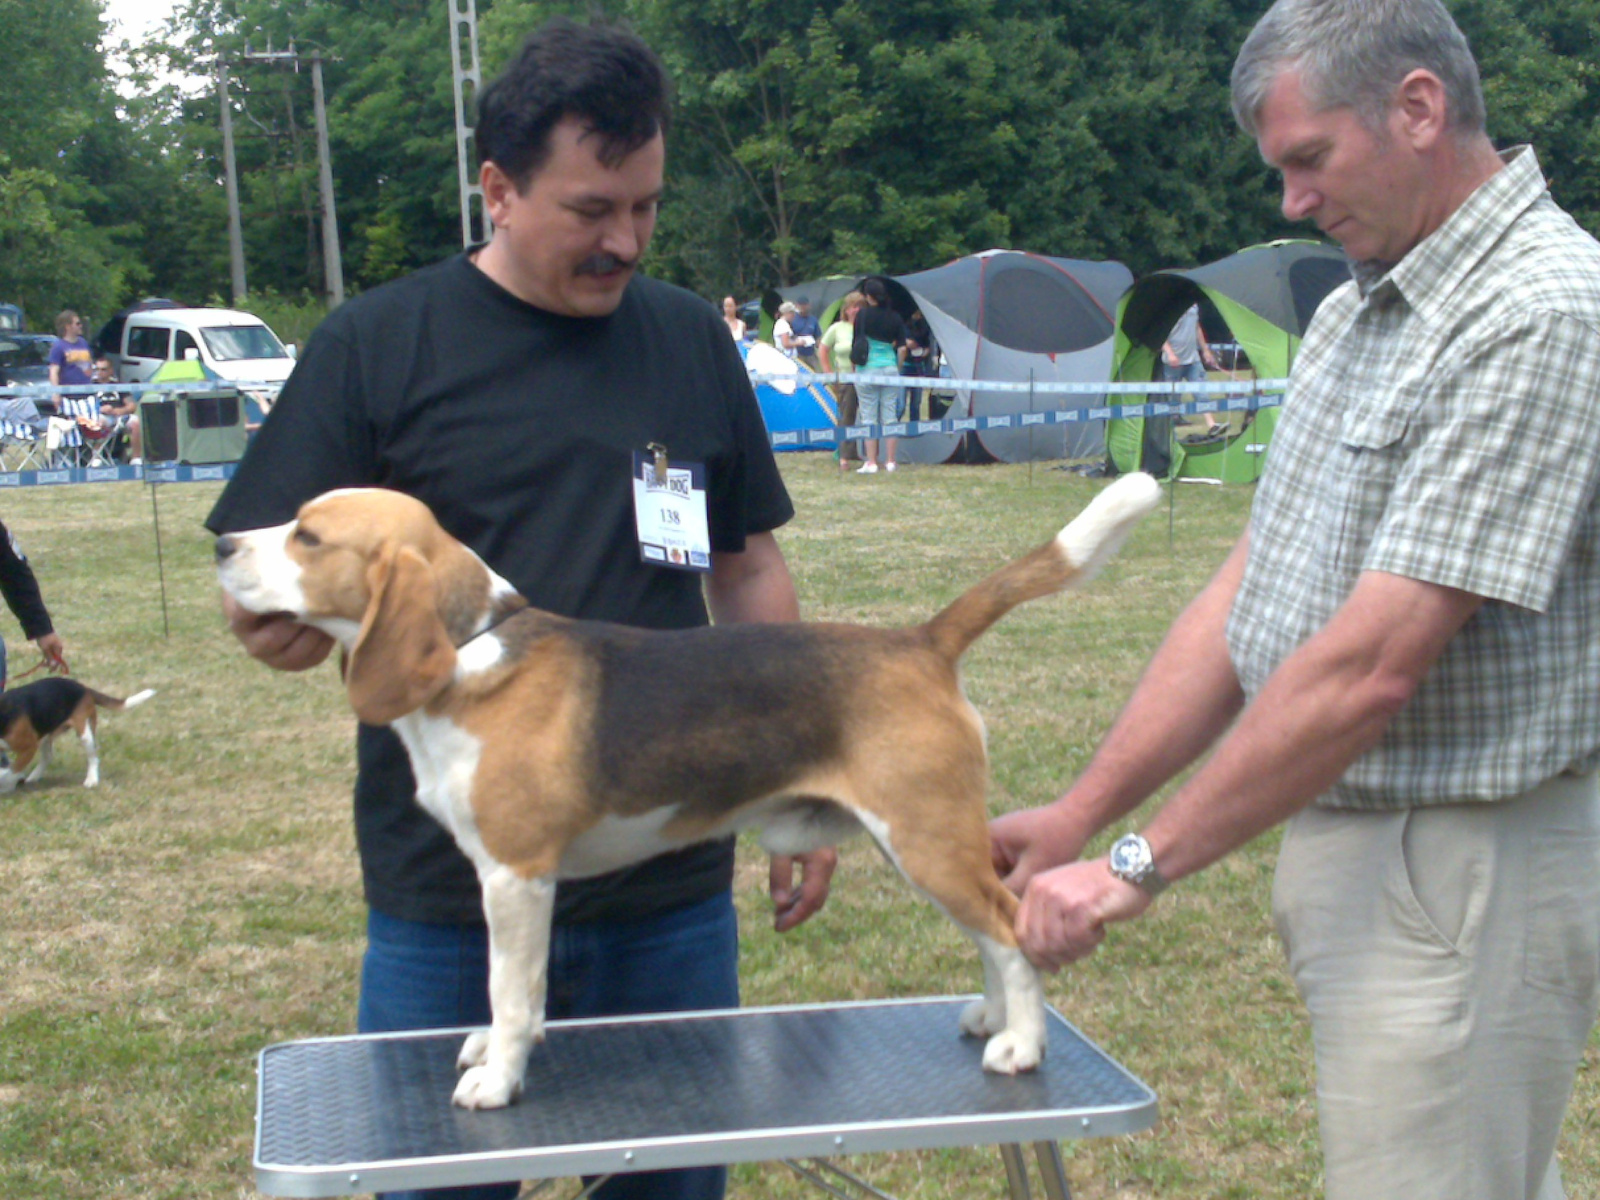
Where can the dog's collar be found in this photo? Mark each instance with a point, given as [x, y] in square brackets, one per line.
[509, 610]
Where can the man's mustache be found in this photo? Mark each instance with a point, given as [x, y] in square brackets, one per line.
[604, 264]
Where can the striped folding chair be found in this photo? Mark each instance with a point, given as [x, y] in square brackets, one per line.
[22, 434]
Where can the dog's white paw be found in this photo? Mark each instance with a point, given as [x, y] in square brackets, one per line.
[474, 1051]
[487, 1086]
[979, 1020]
[1009, 1053]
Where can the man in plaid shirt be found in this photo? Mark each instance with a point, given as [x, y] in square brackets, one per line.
[1402, 655]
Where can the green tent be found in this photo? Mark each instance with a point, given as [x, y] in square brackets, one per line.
[1262, 299]
[206, 425]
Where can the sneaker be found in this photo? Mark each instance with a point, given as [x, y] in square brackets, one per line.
[869, 468]
[888, 466]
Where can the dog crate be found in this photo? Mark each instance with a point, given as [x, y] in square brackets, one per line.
[194, 427]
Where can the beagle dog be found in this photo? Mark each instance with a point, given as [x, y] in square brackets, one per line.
[558, 749]
[32, 715]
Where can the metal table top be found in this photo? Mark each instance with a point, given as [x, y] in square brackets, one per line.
[371, 1113]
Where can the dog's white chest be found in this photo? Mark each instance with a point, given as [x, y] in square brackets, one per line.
[444, 758]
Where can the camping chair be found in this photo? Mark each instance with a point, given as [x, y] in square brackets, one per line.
[65, 441]
[22, 430]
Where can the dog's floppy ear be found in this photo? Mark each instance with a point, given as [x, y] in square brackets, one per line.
[403, 655]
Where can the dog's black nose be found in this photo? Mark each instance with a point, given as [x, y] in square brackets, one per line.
[225, 547]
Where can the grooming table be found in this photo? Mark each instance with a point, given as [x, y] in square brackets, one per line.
[337, 1116]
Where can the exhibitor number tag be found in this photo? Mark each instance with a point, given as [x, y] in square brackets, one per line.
[669, 506]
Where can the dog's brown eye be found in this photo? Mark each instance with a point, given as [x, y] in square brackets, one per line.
[307, 539]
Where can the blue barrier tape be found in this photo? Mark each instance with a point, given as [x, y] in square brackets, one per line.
[1267, 397]
[940, 383]
[901, 429]
[936, 382]
[43, 391]
[155, 473]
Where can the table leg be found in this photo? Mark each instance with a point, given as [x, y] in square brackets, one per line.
[1052, 1170]
[1016, 1172]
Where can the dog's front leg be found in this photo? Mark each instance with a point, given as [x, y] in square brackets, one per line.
[519, 912]
[47, 749]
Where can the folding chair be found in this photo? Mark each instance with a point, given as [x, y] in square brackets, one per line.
[66, 440]
[22, 431]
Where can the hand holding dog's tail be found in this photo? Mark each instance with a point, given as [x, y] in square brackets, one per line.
[1073, 557]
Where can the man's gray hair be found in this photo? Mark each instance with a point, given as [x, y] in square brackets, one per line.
[1353, 54]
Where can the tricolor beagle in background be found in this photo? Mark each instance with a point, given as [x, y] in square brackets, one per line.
[32, 715]
[557, 749]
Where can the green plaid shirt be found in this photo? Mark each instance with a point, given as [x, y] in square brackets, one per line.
[1443, 423]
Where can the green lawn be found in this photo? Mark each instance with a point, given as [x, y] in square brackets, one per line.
[155, 934]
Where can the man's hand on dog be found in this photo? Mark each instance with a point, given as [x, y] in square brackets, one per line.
[277, 639]
[1065, 911]
[792, 905]
[1022, 844]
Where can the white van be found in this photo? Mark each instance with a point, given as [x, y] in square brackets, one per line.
[236, 346]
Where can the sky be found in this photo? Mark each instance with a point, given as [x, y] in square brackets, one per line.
[135, 18]
[135, 21]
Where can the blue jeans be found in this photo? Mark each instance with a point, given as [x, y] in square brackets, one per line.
[422, 976]
[1194, 372]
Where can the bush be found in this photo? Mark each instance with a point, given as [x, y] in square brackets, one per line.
[291, 317]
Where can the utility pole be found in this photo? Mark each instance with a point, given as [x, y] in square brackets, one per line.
[230, 172]
[465, 73]
[332, 263]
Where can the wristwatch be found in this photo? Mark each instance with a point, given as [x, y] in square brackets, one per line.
[1131, 860]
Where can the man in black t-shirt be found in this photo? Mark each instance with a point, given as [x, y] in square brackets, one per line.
[508, 388]
[21, 591]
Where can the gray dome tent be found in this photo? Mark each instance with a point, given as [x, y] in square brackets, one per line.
[1008, 315]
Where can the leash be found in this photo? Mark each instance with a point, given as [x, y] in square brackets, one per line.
[58, 666]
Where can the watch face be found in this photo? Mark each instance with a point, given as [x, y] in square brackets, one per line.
[1130, 856]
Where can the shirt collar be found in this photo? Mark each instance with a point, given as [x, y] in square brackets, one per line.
[1428, 276]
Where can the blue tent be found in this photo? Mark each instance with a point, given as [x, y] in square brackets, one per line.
[790, 403]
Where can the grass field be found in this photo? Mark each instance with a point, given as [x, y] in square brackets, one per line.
[204, 902]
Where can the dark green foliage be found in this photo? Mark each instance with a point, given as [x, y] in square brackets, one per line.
[812, 138]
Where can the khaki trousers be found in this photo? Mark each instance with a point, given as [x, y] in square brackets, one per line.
[1449, 958]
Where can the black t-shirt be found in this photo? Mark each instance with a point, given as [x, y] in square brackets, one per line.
[517, 426]
[21, 590]
[877, 323]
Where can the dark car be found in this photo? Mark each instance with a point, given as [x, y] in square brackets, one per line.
[24, 358]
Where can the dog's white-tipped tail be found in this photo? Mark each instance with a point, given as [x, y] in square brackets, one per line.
[1072, 557]
[138, 698]
[1095, 535]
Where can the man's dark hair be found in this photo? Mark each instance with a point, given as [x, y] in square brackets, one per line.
[600, 73]
[875, 291]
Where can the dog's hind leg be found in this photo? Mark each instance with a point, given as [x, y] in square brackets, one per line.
[91, 750]
[519, 912]
[83, 720]
[944, 853]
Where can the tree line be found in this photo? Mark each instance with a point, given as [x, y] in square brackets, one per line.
[812, 137]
